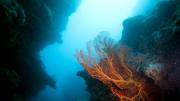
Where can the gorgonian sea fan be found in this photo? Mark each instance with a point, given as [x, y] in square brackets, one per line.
[107, 64]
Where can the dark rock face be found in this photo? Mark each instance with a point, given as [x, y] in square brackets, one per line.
[158, 35]
[146, 33]
[26, 27]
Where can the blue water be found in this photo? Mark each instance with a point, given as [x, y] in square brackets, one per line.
[91, 18]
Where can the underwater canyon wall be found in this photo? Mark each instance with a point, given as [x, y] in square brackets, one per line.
[154, 43]
[26, 27]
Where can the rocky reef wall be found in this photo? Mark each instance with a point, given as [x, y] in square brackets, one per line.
[26, 27]
[155, 40]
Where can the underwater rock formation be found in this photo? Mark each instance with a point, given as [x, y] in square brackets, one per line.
[27, 26]
[154, 50]
[158, 35]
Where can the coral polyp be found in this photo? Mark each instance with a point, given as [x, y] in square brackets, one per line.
[112, 69]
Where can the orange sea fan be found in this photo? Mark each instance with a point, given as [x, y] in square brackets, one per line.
[112, 70]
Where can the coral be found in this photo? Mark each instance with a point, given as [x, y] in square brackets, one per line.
[152, 56]
[112, 70]
[98, 91]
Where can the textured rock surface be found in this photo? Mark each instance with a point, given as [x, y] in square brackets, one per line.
[27, 26]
